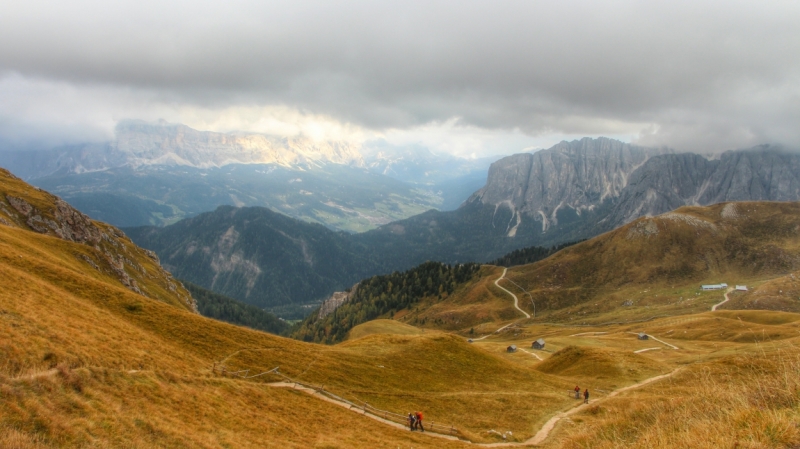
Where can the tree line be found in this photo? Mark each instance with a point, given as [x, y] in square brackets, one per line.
[385, 295]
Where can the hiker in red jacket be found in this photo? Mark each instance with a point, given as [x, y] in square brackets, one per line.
[577, 392]
[418, 415]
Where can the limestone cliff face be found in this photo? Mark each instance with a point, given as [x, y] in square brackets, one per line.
[669, 181]
[577, 175]
[629, 182]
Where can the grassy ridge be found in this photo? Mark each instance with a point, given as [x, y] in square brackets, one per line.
[657, 264]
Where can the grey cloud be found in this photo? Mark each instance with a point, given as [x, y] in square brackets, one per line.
[700, 71]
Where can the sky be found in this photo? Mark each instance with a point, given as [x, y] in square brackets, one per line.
[463, 77]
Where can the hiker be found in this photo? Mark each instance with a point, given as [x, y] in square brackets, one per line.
[586, 396]
[412, 421]
[577, 392]
[418, 416]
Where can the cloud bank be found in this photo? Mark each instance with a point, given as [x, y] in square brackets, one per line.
[696, 76]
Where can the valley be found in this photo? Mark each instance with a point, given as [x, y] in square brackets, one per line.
[81, 346]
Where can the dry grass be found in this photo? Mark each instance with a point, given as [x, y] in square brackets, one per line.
[54, 314]
[383, 327]
[600, 364]
[85, 362]
[746, 401]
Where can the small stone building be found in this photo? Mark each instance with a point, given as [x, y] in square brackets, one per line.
[538, 344]
[512, 348]
[643, 336]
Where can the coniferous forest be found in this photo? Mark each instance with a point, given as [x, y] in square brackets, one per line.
[223, 308]
[383, 296]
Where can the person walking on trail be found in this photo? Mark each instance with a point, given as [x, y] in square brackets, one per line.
[412, 421]
[418, 415]
[577, 392]
[586, 396]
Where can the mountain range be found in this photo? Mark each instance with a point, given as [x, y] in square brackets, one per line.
[159, 173]
[571, 192]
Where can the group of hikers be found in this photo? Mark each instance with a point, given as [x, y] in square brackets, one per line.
[585, 394]
[415, 421]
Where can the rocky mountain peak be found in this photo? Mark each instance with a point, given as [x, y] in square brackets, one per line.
[578, 175]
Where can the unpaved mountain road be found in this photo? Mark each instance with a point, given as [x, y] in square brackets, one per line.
[516, 300]
[516, 305]
[714, 307]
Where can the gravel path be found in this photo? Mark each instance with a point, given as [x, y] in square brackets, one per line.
[714, 307]
[516, 300]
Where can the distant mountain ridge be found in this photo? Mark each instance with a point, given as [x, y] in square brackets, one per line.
[578, 189]
[578, 175]
[158, 173]
[139, 144]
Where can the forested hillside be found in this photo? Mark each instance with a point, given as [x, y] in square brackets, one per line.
[384, 296]
[258, 256]
[223, 308]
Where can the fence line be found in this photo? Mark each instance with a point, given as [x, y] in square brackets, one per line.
[365, 407]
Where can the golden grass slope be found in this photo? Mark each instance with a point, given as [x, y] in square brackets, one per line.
[670, 255]
[85, 361]
[383, 327]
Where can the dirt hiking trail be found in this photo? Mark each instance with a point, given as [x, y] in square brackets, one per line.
[537, 439]
[714, 307]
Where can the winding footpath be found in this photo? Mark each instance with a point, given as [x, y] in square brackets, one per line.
[714, 307]
[516, 300]
[535, 440]
[516, 304]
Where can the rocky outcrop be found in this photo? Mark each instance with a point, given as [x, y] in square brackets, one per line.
[578, 175]
[335, 301]
[109, 250]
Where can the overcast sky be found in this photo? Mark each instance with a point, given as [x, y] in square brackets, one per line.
[472, 78]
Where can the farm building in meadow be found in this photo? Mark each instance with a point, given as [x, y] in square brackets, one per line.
[741, 288]
[643, 336]
[714, 286]
[538, 344]
[512, 348]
